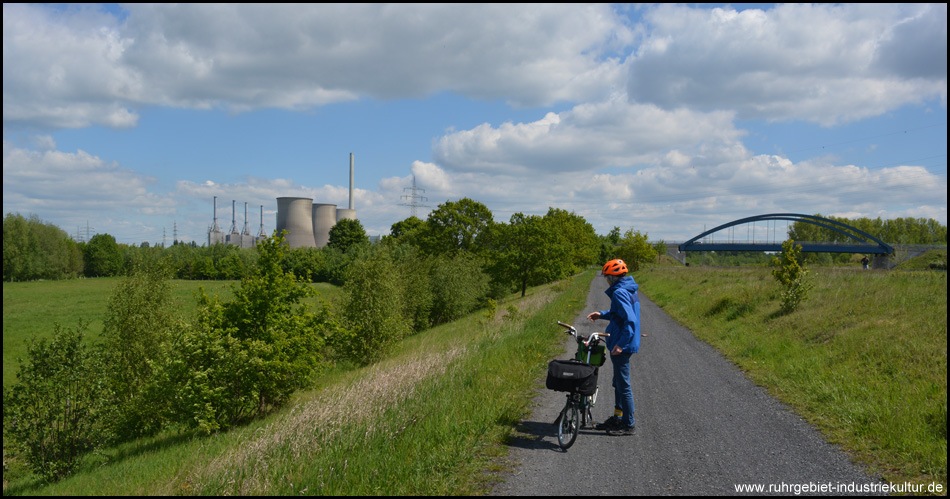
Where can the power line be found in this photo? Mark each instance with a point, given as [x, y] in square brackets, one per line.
[413, 198]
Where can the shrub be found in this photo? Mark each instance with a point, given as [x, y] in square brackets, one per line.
[792, 276]
[413, 269]
[53, 414]
[373, 309]
[458, 286]
[243, 357]
[139, 319]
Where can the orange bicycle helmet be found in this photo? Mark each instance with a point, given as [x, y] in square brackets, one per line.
[615, 267]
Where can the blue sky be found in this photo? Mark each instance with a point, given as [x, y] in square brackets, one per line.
[667, 119]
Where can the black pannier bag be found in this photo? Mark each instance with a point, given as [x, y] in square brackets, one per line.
[571, 376]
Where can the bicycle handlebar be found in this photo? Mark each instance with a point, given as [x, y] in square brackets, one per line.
[573, 332]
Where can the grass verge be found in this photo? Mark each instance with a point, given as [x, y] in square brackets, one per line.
[864, 358]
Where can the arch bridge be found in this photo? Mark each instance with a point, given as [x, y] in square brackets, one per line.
[862, 241]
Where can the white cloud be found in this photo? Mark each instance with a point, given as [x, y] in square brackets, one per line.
[63, 69]
[70, 189]
[823, 63]
[588, 137]
[69, 68]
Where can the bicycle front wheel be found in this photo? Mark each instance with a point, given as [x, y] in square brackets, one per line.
[567, 430]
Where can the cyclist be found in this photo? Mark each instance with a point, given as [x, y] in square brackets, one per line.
[624, 341]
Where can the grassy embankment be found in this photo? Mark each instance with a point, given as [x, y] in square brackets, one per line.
[428, 420]
[864, 358]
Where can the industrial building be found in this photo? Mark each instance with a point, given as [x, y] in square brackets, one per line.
[242, 239]
[307, 223]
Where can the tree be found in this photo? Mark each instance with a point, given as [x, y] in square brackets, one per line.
[581, 243]
[347, 233]
[33, 249]
[528, 252]
[102, 256]
[614, 236]
[792, 275]
[458, 285]
[405, 227]
[373, 309]
[635, 249]
[660, 248]
[461, 225]
[139, 320]
[53, 414]
[243, 357]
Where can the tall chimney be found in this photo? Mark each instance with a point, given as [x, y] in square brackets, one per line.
[214, 226]
[233, 215]
[351, 181]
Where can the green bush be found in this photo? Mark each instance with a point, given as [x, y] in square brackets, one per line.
[792, 275]
[416, 288]
[54, 413]
[139, 320]
[244, 357]
[459, 285]
[373, 309]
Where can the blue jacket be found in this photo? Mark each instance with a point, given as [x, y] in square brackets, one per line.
[624, 316]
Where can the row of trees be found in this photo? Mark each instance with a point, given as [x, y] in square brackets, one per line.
[36, 250]
[524, 251]
[893, 231]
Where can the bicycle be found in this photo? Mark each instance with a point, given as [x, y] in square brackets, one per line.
[578, 377]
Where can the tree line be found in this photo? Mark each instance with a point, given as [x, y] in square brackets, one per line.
[893, 231]
[524, 251]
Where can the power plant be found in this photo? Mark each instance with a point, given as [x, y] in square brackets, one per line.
[307, 223]
[242, 239]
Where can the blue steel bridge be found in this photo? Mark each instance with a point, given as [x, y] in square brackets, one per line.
[859, 241]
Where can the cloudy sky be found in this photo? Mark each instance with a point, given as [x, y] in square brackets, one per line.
[666, 119]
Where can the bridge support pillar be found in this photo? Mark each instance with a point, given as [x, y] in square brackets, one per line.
[674, 253]
[881, 262]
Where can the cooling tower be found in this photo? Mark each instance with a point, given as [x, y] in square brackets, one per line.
[341, 214]
[324, 218]
[295, 216]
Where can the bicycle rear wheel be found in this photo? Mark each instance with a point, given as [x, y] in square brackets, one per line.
[567, 430]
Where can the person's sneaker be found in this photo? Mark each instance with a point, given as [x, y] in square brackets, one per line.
[621, 431]
[611, 423]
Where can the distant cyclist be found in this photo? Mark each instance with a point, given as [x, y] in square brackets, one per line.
[624, 341]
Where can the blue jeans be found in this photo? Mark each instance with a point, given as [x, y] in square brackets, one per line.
[623, 392]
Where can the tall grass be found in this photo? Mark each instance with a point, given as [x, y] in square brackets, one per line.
[864, 358]
[426, 420]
